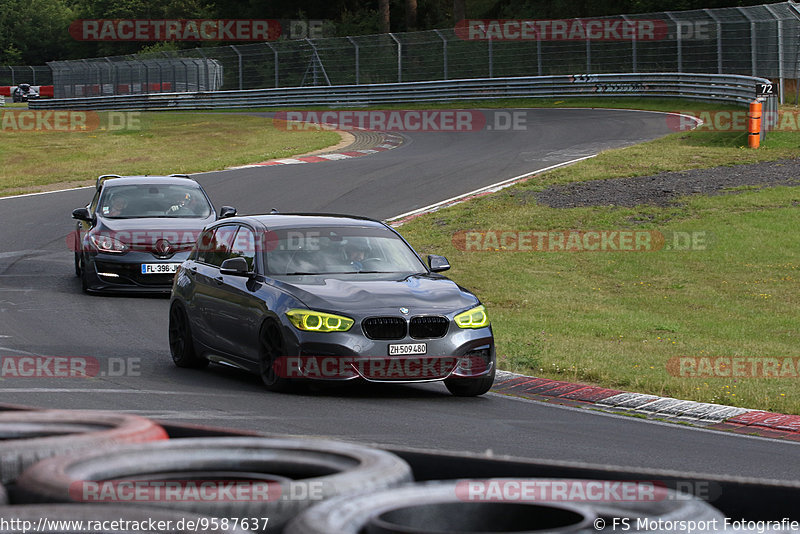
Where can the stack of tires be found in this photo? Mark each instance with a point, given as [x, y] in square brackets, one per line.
[104, 467]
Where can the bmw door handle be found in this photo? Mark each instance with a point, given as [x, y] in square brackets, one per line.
[218, 279]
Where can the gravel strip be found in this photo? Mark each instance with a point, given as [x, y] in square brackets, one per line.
[664, 188]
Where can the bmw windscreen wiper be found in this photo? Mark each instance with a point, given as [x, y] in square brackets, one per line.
[366, 272]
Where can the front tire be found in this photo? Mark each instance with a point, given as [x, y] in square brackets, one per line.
[271, 347]
[84, 275]
[181, 343]
[470, 387]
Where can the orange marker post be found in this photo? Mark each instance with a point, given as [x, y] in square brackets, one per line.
[754, 125]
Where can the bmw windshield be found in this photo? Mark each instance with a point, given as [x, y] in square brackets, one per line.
[338, 250]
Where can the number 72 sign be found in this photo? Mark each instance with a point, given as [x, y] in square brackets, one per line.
[764, 89]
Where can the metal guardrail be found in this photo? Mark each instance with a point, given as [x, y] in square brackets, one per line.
[705, 87]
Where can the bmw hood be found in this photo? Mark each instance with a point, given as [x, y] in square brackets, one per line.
[418, 293]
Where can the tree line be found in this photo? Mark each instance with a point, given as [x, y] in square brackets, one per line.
[33, 32]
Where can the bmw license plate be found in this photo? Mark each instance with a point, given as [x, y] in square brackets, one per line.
[160, 268]
[407, 348]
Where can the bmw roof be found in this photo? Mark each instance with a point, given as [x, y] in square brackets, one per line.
[305, 220]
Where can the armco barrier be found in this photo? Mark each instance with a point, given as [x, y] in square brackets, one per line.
[706, 87]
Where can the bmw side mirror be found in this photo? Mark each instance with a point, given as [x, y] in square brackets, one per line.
[226, 211]
[438, 264]
[82, 214]
[235, 267]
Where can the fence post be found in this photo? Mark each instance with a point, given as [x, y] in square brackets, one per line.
[205, 64]
[719, 38]
[275, 52]
[752, 40]
[539, 54]
[316, 61]
[633, 44]
[358, 70]
[678, 39]
[399, 58]
[796, 12]
[111, 71]
[588, 54]
[444, 52]
[491, 59]
[13, 82]
[240, 64]
[174, 86]
[780, 49]
[186, 74]
[85, 70]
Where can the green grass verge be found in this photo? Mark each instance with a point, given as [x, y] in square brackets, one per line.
[617, 318]
[150, 143]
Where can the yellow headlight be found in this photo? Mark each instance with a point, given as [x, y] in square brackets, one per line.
[314, 321]
[474, 318]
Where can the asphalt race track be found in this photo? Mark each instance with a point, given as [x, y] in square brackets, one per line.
[43, 312]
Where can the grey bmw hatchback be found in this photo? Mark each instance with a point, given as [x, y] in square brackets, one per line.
[298, 297]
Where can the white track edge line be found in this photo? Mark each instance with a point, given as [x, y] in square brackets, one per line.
[498, 185]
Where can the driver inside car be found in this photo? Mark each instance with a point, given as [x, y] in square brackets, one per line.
[186, 204]
[118, 205]
[355, 255]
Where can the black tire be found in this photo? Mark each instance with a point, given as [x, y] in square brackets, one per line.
[271, 345]
[77, 265]
[3, 496]
[29, 436]
[106, 515]
[84, 274]
[470, 387]
[316, 469]
[444, 506]
[181, 342]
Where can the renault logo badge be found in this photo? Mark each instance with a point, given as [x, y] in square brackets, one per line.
[163, 247]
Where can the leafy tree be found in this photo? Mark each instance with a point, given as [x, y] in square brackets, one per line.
[36, 31]
[33, 31]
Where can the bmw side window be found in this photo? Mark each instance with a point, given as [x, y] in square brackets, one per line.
[202, 246]
[244, 246]
[217, 249]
